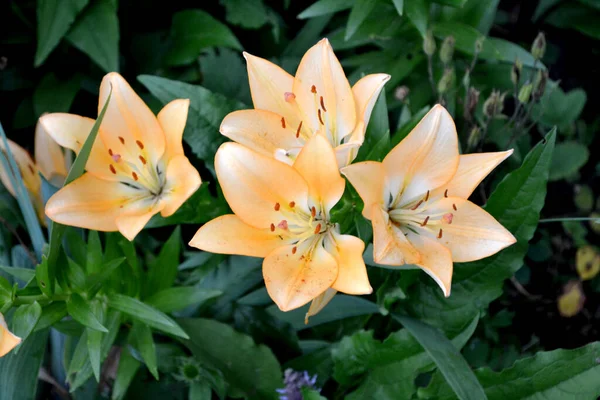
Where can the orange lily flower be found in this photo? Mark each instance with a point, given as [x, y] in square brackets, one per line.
[417, 201]
[8, 341]
[290, 110]
[282, 213]
[136, 168]
[50, 161]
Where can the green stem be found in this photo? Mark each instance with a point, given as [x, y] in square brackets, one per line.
[20, 300]
[597, 220]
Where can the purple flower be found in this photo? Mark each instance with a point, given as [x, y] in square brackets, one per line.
[294, 382]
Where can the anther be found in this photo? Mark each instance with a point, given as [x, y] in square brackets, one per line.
[427, 196]
[425, 222]
[440, 234]
[313, 89]
[121, 139]
[140, 144]
[318, 229]
[31, 169]
[135, 176]
[112, 169]
[454, 206]
[298, 130]
[110, 152]
[313, 212]
[283, 224]
[283, 122]
[446, 193]
[143, 160]
[272, 227]
[323, 105]
[319, 113]
[289, 96]
[294, 250]
[417, 205]
[292, 204]
[277, 206]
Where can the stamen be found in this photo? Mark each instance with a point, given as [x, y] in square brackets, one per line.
[292, 204]
[318, 229]
[283, 122]
[294, 250]
[135, 176]
[323, 105]
[417, 205]
[425, 222]
[140, 144]
[122, 139]
[283, 224]
[313, 212]
[289, 96]
[31, 169]
[313, 89]
[440, 234]
[298, 130]
[116, 157]
[446, 193]
[447, 218]
[277, 206]
[319, 113]
[112, 169]
[427, 196]
[454, 206]
[272, 227]
[110, 152]
[143, 160]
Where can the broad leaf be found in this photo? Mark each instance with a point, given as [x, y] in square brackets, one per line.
[163, 270]
[24, 320]
[54, 95]
[180, 297]
[141, 338]
[360, 11]
[81, 311]
[568, 158]
[324, 7]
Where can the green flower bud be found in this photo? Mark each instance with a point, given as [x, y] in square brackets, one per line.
[429, 44]
[525, 93]
[479, 44]
[447, 50]
[401, 93]
[471, 103]
[447, 81]
[539, 84]
[515, 72]
[538, 48]
[474, 137]
[494, 104]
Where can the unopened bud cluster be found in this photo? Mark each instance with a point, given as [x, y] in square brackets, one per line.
[494, 104]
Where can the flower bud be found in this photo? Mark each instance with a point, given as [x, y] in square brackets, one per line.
[474, 137]
[479, 44]
[572, 299]
[429, 44]
[466, 80]
[447, 50]
[538, 48]
[525, 93]
[447, 81]
[515, 72]
[401, 93]
[539, 84]
[587, 260]
[494, 104]
[471, 103]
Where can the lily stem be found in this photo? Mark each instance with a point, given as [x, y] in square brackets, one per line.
[20, 300]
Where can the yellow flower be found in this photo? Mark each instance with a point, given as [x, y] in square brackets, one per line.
[282, 213]
[417, 201]
[50, 161]
[136, 168]
[8, 341]
[290, 110]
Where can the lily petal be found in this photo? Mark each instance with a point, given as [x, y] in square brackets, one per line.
[228, 234]
[49, 156]
[132, 223]
[172, 119]
[390, 246]
[318, 166]
[263, 131]
[182, 180]
[473, 233]
[27, 168]
[347, 152]
[129, 126]
[436, 260]
[253, 184]
[268, 86]
[8, 340]
[426, 159]
[293, 280]
[368, 180]
[319, 303]
[320, 68]
[352, 271]
[366, 92]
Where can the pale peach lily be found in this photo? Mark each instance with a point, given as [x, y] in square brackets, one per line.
[50, 161]
[282, 213]
[417, 201]
[136, 168]
[289, 110]
[8, 340]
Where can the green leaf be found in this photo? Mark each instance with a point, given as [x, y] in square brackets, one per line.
[340, 307]
[51, 314]
[163, 271]
[516, 204]
[251, 370]
[560, 108]
[408, 126]
[144, 313]
[194, 30]
[557, 374]
[249, 14]
[128, 367]
[377, 137]
[180, 297]
[399, 4]
[54, 20]
[93, 263]
[200, 391]
[207, 110]
[451, 3]
[46, 271]
[96, 33]
[53, 95]
[24, 320]
[310, 34]
[417, 12]
[225, 72]
[94, 282]
[324, 7]
[19, 372]
[568, 158]
[6, 294]
[360, 11]
[82, 312]
[446, 356]
[479, 14]
[94, 344]
[141, 338]
[24, 274]
[308, 394]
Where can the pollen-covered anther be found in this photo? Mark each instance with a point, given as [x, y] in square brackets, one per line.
[112, 169]
[425, 222]
[313, 212]
[427, 196]
[143, 160]
[283, 224]
[289, 96]
[277, 206]
[447, 218]
[134, 175]
[319, 114]
[298, 130]
[417, 205]
[446, 193]
[318, 229]
[272, 227]
[283, 122]
[122, 139]
[292, 204]
[323, 105]
[140, 144]
[313, 89]
[294, 250]
[454, 206]
[110, 152]
[439, 236]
